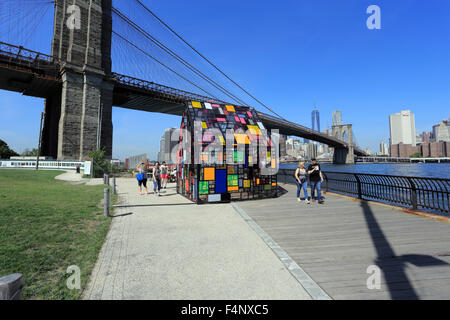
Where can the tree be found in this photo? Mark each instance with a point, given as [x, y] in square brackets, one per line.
[416, 155]
[33, 152]
[5, 151]
[100, 164]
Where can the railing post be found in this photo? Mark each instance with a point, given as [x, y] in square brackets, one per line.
[358, 183]
[326, 179]
[106, 202]
[413, 193]
[11, 287]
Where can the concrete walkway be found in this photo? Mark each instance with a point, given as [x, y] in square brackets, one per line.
[73, 177]
[168, 248]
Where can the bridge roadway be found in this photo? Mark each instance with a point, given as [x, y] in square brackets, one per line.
[37, 74]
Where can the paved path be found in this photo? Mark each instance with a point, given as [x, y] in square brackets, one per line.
[334, 244]
[168, 248]
[73, 177]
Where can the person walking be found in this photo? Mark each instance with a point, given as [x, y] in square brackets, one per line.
[157, 178]
[141, 177]
[164, 170]
[300, 178]
[316, 179]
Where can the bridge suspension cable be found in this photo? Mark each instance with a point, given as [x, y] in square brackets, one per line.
[206, 59]
[164, 65]
[175, 56]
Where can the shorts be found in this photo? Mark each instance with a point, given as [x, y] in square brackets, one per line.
[142, 182]
[163, 176]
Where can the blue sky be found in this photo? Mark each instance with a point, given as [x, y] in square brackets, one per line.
[292, 55]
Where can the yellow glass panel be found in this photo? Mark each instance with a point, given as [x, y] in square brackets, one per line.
[196, 104]
[246, 183]
[257, 181]
[209, 174]
[222, 140]
[254, 130]
[230, 108]
[204, 126]
[241, 138]
[274, 184]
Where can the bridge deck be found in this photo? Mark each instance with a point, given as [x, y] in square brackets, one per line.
[335, 243]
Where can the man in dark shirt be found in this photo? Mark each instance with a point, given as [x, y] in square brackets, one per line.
[316, 179]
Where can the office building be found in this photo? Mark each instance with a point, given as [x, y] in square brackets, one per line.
[168, 142]
[402, 128]
[441, 131]
[384, 150]
[315, 119]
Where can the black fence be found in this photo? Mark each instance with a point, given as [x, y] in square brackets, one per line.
[430, 194]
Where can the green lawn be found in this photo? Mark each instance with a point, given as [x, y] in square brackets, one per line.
[47, 225]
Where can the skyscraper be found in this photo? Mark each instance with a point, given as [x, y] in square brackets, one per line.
[167, 143]
[337, 118]
[315, 119]
[402, 128]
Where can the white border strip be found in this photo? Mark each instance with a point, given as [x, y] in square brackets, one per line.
[313, 289]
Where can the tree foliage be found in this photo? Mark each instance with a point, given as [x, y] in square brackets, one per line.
[5, 151]
[100, 164]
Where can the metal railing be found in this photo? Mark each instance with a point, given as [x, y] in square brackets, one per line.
[18, 55]
[417, 193]
[160, 88]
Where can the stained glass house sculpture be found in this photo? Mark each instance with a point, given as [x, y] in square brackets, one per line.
[214, 167]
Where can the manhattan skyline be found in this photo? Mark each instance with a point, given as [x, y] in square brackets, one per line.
[296, 55]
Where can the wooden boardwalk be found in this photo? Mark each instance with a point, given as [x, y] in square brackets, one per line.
[337, 241]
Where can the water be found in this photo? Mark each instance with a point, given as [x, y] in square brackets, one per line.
[428, 170]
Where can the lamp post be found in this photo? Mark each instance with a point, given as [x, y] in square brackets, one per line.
[40, 141]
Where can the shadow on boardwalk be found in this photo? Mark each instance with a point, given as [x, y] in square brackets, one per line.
[396, 279]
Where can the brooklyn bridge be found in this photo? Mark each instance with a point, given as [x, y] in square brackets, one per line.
[80, 86]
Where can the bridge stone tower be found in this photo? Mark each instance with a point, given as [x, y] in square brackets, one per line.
[343, 155]
[78, 119]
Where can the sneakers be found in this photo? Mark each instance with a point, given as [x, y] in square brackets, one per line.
[307, 201]
[321, 201]
[299, 200]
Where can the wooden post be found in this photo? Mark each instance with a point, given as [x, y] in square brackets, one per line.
[11, 287]
[106, 203]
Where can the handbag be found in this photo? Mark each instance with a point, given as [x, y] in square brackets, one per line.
[140, 176]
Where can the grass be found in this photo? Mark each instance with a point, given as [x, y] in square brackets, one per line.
[46, 225]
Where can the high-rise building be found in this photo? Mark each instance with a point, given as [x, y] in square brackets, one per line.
[315, 119]
[168, 142]
[402, 128]
[442, 131]
[384, 150]
[337, 118]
